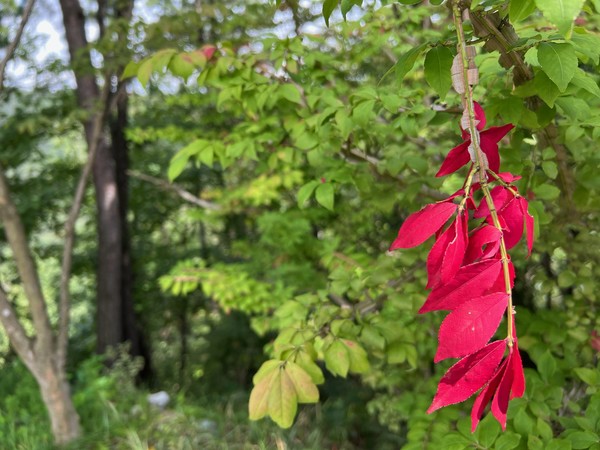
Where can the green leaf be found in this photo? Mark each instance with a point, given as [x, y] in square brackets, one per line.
[522, 423]
[507, 441]
[561, 13]
[344, 123]
[550, 169]
[347, 5]
[405, 63]
[283, 400]
[181, 66]
[558, 61]
[359, 362]
[324, 195]
[207, 156]
[573, 107]
[337, 359]
[582, 439]
[546, 192]
[259, 397]
[546, 89]
[328, 7]
[304, 360]
[584, 81]
[438, 63]
[546, 365]
[363, 112]
[590, 377]
[144, 72]
[544, 429]
[306, 390]
[265, 369]
[558, 444]
[161, 59]
[396, 353]
[291, 93]
[534, 443]
[371, 337]
[131, 70]
[179, 161]
[587, 44]
[488, 431]
[520, 9]
[305, 192]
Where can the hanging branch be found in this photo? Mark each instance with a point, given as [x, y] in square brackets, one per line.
[481, 159]
[469, 270]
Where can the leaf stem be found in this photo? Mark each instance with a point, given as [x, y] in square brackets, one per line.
[504, 183]
[468, 184]
[480, 157]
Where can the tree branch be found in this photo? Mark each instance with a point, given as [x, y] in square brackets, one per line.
[16, 333]
[426, 190]
[186, 195]
[17, 239]
[10, 51]
[501, 36]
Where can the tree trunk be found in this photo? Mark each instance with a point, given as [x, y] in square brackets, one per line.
[109, 302]
[131, 331]
[56, 395]
[115, 320]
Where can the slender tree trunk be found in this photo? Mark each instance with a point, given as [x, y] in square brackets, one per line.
[56, 395]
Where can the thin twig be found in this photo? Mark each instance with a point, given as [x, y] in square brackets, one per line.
[186, 195]
[375, 162]
[10, 51]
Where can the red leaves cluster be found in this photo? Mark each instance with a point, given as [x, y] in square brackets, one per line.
[468, 277]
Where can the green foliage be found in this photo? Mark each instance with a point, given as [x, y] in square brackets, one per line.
[314, 157]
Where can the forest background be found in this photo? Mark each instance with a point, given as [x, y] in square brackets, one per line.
[249, 167]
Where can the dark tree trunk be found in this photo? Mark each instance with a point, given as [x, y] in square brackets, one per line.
[109, 302]
[130, 329]
[115, 320]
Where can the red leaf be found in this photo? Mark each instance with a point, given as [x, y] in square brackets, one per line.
[485, 396]
[508, 177]
[209, 51]
[518, 386]
[489, 144]
[419, 226]
[470, 326]
[487, 237]
[512, 213]
[468, 375]
[502, 396]
[529, 223]
[455, 251]
[479, 115]
[469, 282]
[436, 256]
[500, 283]
[500, 197]
[456, 158]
